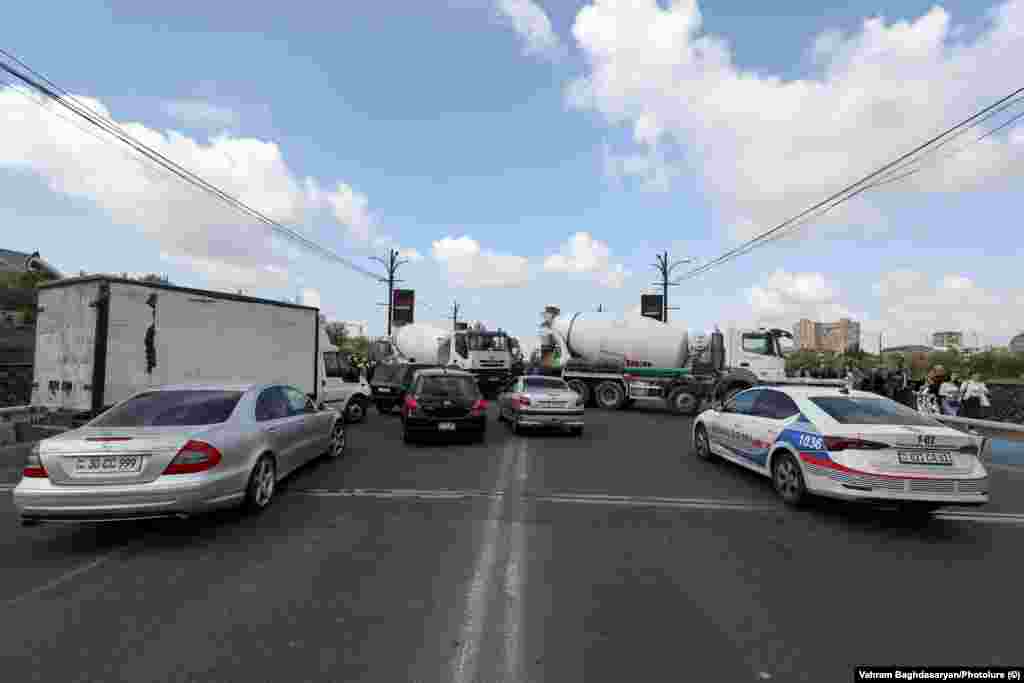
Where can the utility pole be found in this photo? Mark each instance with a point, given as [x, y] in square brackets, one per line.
[391, 266]
[665, 268]
[455, 315]
[600, 308]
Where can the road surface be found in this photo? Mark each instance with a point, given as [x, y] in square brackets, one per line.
[613, 557]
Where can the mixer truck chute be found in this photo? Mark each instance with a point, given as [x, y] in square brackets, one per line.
[614, 361]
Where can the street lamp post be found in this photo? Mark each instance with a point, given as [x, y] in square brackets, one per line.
[665, 268]
[391, 265]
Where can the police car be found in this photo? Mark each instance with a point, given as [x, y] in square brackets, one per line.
[839, 443]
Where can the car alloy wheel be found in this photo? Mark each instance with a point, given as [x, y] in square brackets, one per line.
[338, 440]
[788, 480]
[262, 484]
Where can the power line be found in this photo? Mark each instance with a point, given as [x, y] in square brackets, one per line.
[851, 190]
[69, 102]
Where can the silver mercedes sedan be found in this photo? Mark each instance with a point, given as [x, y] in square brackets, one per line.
[535, 401]
[177, 451]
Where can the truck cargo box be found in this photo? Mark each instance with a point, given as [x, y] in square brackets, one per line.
[91, 341]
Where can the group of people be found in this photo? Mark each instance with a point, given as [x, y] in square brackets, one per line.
[945, 394]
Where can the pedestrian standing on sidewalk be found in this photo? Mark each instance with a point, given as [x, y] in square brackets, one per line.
[975, 398]
[950, 393]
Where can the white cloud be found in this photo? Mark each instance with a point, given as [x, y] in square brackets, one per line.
[767, 147]
[310, 297]
[201, 114]
[187, 225]
[584, 254]
[906, 306]
[468, 265]
[532, 24]
[786, 297]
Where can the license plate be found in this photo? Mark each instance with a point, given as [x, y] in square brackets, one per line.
[925, 458]
[446, 426]
[384, 390]
[107, 464]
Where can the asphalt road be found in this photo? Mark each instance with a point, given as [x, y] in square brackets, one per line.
[613, 557]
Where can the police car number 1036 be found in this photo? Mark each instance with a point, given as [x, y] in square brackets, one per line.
[814, 443]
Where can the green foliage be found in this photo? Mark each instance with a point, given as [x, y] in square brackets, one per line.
[25, 280]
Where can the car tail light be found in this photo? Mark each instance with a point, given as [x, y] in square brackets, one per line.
[194, 456]
[34, 465]
[842, 443]
[410, 404]
[523, 400]
[478, 408]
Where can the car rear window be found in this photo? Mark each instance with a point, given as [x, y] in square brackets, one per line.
[857, 410]
[453, 387]
[546, 383]
[182, 408]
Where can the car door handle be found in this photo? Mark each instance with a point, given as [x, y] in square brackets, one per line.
[744, 365]
[271, 429]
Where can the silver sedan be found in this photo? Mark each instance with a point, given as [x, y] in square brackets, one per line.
[531, 401]
[177, 451]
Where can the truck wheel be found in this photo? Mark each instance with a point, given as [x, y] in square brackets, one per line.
[356, 410]
[609, 395]
[682, 402]
[581, 388]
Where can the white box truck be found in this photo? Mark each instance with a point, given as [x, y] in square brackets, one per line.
[99, 340]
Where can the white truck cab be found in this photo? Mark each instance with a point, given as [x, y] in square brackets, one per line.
[343, 387]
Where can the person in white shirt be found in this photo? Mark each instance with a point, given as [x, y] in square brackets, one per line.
[973, 397]
[950, 393]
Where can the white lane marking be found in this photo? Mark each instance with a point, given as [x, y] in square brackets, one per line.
[475, 614]
[515, 581]
[635, 501]
[63, 578]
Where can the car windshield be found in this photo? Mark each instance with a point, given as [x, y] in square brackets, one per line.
[858, 410]
[171, 409]
[451, 387]
[487, 341]
[546, 383]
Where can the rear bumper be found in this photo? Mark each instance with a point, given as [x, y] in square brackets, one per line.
[572, 418]
[900, 491]
[463, 425]
[41, 500]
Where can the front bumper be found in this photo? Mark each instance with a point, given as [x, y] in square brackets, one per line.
[566, 419]
[168, 496]
[946, 492]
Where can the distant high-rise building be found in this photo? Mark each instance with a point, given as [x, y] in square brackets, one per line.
[948, 339]
[839, 337]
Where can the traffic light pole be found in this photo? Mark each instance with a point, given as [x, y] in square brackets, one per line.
[455, 315]
[665, 268]
[391, 265]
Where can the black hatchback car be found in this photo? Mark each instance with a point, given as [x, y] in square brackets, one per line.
[443, 402]
[391, 381]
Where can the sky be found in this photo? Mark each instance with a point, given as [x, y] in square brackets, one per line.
[526, 153]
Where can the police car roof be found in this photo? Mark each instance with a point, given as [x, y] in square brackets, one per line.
[431, 372]
[807, 391]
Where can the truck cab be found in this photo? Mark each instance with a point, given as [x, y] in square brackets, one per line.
[342, 386]
[762, 351]
[484, 353]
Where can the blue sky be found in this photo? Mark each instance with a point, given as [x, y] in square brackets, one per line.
[441, 124]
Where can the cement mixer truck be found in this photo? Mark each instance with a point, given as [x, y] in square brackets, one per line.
[613, 361]
[472, 348]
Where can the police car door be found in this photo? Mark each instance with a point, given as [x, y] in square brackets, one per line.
[770, 413]
[733, 424]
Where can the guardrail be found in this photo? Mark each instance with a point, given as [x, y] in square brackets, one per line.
[1008, 431]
